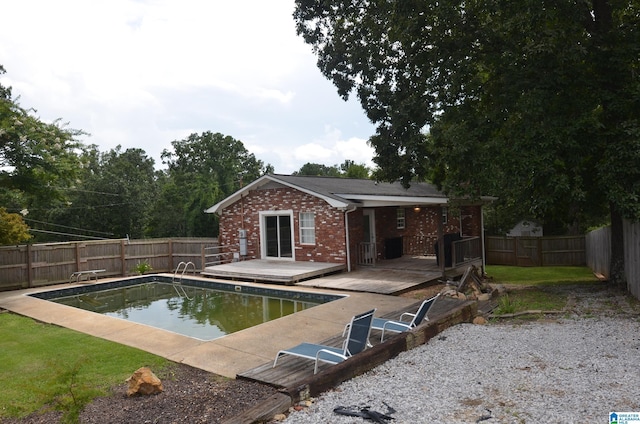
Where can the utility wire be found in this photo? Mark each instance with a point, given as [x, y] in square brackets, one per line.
[87, 191]
[68, 234]
[66, 226]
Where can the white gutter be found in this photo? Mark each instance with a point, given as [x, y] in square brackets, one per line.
[346, 234]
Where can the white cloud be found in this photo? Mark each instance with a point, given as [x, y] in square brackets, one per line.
[144, 73]
[333, 150]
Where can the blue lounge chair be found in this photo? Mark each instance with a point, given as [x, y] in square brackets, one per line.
[387, 325]
[356, 341]
[393, 326]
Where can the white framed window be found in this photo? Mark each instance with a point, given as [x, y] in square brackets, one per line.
[445, 214]
[400, 219]
[307, 228]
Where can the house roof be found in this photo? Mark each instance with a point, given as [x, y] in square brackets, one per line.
[346, 192]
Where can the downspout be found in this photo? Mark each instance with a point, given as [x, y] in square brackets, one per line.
[346, 236]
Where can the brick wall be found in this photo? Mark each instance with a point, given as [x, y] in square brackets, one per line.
[421, 227]
[329, 222]
[418, 237]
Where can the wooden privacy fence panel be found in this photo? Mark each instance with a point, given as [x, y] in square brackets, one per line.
[14, 267]
[184, 251]
[52, 262]
[155, 254]
[500, 250]
[563, 251]
[599, 253]
[535, 251]
[598, 250]
[38, 265]
[105, 254]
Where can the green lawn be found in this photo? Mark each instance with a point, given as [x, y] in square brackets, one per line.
[532, 288]
[43, 365]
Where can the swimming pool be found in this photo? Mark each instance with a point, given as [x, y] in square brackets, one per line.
[197, 308]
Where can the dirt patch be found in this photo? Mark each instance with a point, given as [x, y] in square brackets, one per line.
[190, 395]
[423, 293]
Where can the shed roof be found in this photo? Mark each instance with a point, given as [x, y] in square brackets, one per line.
[347, 192]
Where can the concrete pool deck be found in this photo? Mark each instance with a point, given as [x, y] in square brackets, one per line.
[229, 355]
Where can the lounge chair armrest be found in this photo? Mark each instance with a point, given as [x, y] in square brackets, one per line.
[346, 328]
[330, 353]
[395, 324]
[409, 314]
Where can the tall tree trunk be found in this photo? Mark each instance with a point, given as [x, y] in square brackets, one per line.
[616, 267]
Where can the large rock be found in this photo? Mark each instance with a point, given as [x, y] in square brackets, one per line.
[144, 382]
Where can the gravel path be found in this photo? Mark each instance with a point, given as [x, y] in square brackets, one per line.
[569, 370]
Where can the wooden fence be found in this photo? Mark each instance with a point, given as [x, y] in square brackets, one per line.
[599, 253]
[598, 249]
[535, 251]
[36, 265]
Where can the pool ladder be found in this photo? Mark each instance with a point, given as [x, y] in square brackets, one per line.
[184, 266]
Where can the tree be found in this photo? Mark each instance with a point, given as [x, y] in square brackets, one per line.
[202, 170]
[348, 169]
[535, 102]
[13, 229]
[113, 198]
[37, 159]
[317, 169]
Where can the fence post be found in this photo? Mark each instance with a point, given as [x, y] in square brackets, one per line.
[540, 253]
[29, 266]
[123, 258]
[77, 256]
[170, 255]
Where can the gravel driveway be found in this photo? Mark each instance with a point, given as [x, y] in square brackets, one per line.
[574, 369]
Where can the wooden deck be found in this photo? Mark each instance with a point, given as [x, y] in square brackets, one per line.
[375, 280]
[262, 270]
[291, 371]
[391, 277]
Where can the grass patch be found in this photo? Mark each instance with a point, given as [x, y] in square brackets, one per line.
[530, 299]
[45, 366]
[536, 288]
[541, 276]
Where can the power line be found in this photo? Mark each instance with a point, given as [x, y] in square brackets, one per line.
[87, 191]
[66, 226]
[85, 207]
[68, 234]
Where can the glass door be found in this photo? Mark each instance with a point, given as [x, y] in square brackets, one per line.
[278, 241]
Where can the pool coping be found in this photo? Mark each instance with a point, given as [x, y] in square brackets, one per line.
[227, 356]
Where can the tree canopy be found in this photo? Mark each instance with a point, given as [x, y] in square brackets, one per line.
[535, 102]
[202, 170]
[112, 197]
[348, 169]
[13, 229]
[36, 158]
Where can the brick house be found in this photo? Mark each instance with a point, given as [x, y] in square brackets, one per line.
[345, 221]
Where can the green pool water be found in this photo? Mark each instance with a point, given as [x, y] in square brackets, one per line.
[197, 312]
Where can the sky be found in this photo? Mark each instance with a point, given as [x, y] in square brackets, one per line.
[143, 73]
